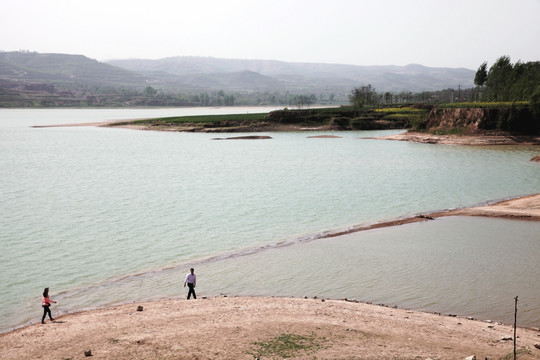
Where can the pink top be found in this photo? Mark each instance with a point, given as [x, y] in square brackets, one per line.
[46, 301]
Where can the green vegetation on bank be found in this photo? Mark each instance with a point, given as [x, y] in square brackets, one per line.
[506, 99]
[202, 119]
[459, 119]
[334, 118]
[416, 117]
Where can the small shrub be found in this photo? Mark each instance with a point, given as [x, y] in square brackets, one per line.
[342, 122]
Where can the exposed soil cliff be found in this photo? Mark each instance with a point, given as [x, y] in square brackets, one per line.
[514, 119]
[477, 126]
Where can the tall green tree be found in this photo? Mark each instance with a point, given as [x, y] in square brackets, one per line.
[499, 80]
[481, 75]
[480, 80]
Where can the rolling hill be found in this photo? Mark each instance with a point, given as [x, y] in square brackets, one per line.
[65, 70]
[37, 79]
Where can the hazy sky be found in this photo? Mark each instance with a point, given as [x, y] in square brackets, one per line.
[446, 33]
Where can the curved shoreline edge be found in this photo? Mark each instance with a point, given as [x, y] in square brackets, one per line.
[526, 208]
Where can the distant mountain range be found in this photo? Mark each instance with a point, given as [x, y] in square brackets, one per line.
[28, 78]
[215, 73]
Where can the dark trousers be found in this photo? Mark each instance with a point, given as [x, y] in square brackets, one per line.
[191, 291]
[46, 310]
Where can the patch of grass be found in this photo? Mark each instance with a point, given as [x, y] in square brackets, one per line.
[203, 119]
[405, 116]
[287, 345]
[510, 356]
[416, 118]
[403, 110]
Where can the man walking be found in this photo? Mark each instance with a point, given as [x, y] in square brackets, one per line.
[191, 281]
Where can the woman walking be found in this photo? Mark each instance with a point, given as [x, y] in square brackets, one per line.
[46, 303]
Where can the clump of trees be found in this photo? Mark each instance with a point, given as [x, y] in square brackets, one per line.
[362, 96]
[505, 81]
[502, 82]
[366, 96]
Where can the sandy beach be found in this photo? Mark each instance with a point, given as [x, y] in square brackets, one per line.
[247, 327]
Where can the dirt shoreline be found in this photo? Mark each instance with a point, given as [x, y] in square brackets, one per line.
[229, 327]
[473, 140]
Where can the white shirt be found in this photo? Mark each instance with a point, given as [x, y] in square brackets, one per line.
[191, 279]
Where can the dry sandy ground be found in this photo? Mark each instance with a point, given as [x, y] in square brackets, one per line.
[524, 208]
[229, 327]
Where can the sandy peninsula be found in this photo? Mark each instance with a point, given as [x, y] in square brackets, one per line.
[267, 328]
[523, 208]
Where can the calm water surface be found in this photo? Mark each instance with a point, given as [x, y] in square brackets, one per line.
[106, 216]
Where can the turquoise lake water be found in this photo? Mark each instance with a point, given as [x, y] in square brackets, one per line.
[105, 216]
